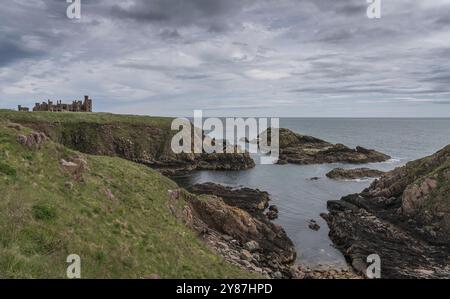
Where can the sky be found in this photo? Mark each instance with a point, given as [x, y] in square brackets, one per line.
[287, 58]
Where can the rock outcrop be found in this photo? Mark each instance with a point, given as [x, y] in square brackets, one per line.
[304, 150]
[253, 201]
[353, 174]
[33, 140]
[404, 217]
[141, 142]
[75, 166]
[232, 221]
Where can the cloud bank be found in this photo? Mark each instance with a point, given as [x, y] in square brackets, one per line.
[230, 57]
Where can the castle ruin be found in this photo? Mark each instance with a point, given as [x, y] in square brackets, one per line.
[76, 106]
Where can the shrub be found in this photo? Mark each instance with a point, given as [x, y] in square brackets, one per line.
[7, 169]
[43, 212]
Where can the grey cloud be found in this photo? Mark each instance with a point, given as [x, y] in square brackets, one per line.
[181, 12]
[223, 53]
[11, 52]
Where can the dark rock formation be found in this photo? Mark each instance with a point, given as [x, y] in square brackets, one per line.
[253, 201]
[237, 215]
[352, 174]
[300, 149]
[404, 217]
[272, 214]
[313, 225]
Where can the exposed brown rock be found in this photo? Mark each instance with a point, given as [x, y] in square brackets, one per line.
[251, 200]
[247, 239]
[76, 166]
[404, 217]
[352, 174]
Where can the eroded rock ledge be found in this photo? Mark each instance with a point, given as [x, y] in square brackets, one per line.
[235, 226]
[404, 217]
[353, 174]
[304, 150]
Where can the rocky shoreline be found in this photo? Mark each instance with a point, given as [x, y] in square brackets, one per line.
[404, 217]
[259, 246]
[305, 150]
[235, 226]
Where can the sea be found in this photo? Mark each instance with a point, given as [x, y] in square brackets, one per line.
[300, 199]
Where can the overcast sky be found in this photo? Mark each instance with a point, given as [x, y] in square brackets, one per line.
[303, 58]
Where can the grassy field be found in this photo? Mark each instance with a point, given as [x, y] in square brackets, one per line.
[70, 117]
[131, 234]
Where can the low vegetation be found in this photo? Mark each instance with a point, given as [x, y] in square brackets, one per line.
[116, 217]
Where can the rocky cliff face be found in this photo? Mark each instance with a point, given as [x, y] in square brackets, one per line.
[404, 217]
[236, 227]
[300, 149]
[143, 143]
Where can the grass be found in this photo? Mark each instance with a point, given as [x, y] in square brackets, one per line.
[70, 117]
[132, 235]
[136, 138]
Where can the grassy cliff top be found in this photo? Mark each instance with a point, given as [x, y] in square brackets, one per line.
[68, 117]
[116, 218]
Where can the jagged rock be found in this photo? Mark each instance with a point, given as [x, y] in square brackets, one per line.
[303, 272]
[251, 246]
[404, 217]
[76, 166]
[246, 255]
[300, 149]
[250, 200]
[272, 214]
[33, 140]
[313, 225]
[275, 249]
[352, 174]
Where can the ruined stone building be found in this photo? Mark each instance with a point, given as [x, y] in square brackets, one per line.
[76, 106]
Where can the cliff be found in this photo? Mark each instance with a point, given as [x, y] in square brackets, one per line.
[404, 217]
[141, 139]
[115, 214]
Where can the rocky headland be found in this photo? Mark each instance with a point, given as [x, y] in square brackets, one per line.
[242, 218]
[353, 174]
[140, 139]
[304, 150]
[404, 217]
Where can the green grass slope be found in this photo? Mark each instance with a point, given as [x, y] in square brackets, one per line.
[136, 138]
[130, 235]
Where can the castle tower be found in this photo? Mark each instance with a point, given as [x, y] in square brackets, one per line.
[87, 105]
